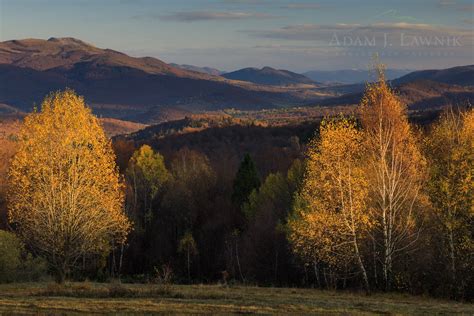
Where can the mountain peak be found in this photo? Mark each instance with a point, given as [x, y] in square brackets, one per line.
[69, 52]
[68, 41]
[268, 76]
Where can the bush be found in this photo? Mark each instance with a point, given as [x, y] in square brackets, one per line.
[32, 268]
[10, 256]
[15, 263]
[116, 289]
[163, 280]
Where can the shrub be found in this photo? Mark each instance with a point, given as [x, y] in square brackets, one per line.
[32, 268]
[10, 256]
[163, 279]
[15, 263]
[116, 289]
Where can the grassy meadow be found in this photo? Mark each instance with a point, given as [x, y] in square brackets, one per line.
[78, 298]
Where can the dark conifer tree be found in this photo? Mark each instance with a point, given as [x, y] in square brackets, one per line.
[245, 181]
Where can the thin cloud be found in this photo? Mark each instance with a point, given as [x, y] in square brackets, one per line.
[302, 6]
[195, 16]
[467, 8]
[245, 1]
[447, 3]
[323, 32]
[399, 40]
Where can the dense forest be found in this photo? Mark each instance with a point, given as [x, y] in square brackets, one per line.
[368, 202]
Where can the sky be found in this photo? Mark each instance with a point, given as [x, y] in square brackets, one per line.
[232, 34]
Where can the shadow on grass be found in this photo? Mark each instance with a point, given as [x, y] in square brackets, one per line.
[114, 290]
[117, 290]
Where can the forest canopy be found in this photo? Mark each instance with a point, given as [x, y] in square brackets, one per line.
[369, 201]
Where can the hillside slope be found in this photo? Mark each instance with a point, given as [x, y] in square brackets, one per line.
[351, 76]
[461, 75]
[418, 95]
[268, 76]
[120, 86]
[204, 70]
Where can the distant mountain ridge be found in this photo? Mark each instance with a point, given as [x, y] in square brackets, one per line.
[65, 53]
[148, 90]
[461, 75]
[120, 86]
[430, 89]
[205, 70]
[268, 76]
[351, 76]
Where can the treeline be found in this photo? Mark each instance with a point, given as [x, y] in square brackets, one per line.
[376, 204]
[369, 202]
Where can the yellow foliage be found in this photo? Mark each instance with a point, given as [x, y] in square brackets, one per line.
[395, 171]
[450, 150]
[332, 203]
[66, 197]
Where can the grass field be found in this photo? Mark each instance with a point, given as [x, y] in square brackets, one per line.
[77, 298]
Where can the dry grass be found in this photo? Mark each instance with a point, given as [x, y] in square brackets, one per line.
[40, 298]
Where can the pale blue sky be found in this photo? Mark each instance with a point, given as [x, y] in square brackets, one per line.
[230, 34]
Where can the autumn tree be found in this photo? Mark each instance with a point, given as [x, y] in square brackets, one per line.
[450, 152]
[124, 150]
[8, 141]
[395, 171]
[146, 173]
[184, 207]
[146, 176]
[265, 253]
[188, 193]
[65, 195]
[332, 218]
[187, 245]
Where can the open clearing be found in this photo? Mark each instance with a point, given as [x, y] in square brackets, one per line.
[76, 298]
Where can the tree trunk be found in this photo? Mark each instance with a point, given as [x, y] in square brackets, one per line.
[113, 269]
[452, 256]
[238, 261]
[361, 267]
[61, 272]
[325, 278]
[189, 267]
[387, 270]
[120, 260]
[316, 273]
[387, 258]
[375, 264]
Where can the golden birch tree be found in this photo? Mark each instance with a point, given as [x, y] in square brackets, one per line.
[65, 195]
[187, 245]
[450, 152]
[333, 219]
[146, 173]
[395, 171]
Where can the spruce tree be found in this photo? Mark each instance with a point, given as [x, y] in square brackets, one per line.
[245, 181]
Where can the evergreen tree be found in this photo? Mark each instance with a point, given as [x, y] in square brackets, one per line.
[245, 181]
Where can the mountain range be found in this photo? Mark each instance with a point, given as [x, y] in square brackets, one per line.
[148, 90]
[117, 85]
[204, 70]
[422, 90]
[462, 76]
[268, 76]
[351, 76]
